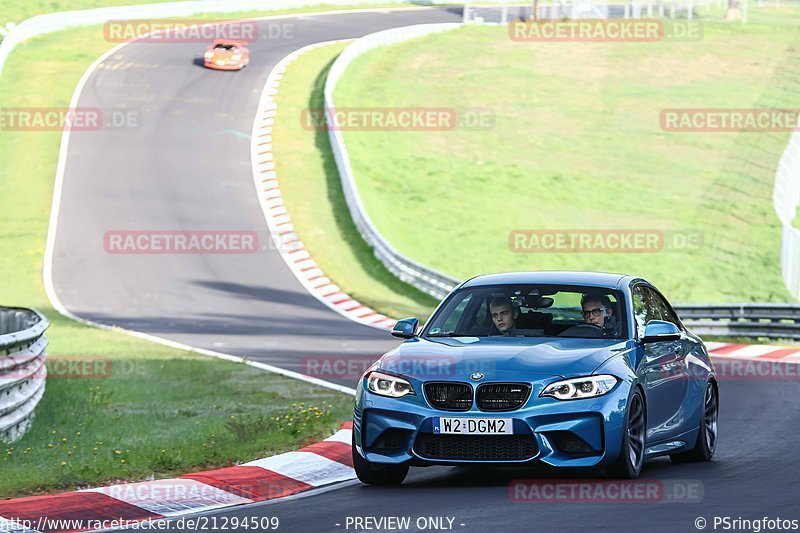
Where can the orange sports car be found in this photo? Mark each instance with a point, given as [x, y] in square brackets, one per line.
[224, 54]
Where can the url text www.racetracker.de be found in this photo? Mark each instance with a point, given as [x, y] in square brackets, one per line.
[198, 523]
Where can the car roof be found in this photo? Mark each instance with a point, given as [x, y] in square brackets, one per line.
[565, 277]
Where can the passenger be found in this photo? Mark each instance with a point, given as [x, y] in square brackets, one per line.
[596, 307]
[504, 315]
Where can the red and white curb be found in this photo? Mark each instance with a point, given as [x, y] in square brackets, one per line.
[294, 253]
[753, 352]
[279, 476]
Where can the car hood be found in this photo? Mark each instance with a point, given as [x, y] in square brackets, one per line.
[458, 358]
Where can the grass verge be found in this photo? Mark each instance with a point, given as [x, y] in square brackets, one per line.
[313, 195]
[15, 11]
[577, 144]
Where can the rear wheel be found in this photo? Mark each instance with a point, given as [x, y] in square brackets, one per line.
[706, 444]
[377, 474]
[631, 455]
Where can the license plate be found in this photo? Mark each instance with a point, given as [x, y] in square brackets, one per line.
[473, 426]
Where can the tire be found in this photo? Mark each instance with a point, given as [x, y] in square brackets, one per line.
[631, 456]
[706, 444]
[376, 474]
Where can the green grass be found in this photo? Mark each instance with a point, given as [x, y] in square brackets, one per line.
[161, 412]
[577, 145]
[16, 11]
[165, 411]
[313, 195]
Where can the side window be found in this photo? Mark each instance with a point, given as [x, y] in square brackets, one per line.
[640, 311]
[649, 305]
[645, 308]
[664, 309]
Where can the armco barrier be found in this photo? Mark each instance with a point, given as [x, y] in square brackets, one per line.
[428, 280]
[752, 320]
[22, 369]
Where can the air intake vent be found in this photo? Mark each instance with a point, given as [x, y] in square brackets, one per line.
[476, 447]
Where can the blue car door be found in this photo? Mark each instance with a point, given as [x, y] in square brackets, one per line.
[662, 370]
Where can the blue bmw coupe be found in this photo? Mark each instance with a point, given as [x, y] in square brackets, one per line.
[570, 369]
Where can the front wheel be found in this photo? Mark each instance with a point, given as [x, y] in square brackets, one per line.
[706, 444]
[631, 455]
[377, 474]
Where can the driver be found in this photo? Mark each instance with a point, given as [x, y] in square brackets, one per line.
[504, 315]
[596, 307]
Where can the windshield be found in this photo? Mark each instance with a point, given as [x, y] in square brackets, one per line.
[531, 311]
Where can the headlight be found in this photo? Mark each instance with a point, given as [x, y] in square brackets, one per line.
[386, 385]
[577, 388]
[236, 57]
[209, 55]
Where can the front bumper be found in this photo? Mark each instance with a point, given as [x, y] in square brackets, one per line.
[575, 434]
[225, 65]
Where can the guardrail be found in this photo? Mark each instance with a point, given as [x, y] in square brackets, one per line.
[22, 369]
[752, 320]
[426, 279]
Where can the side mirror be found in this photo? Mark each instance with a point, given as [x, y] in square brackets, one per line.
[406, 328]
[660, 330]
